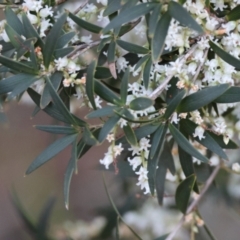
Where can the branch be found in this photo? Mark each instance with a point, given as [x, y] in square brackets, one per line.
[195, 202]
[161, 87]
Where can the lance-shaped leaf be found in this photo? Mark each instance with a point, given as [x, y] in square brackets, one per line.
[189, 127]
[84, 24]
[17, 66]
[164, 237]
[128, 27]
[184, 144]
[51, 151]
[146, 72]
[107, 127]
[102, 73]
[8, 84]
[62, 52]
[102, 112]
[21, 87]
[90, 83]
[178, 12]
[33, 57]
[14, 21]
[56, 80]
[141, 62]
[174, 103]
[140, 103]
[124, 86]
[64, 39]
[129, 15]
[69, 172]
[59, 103]
[153, 20]
[153, 162]
[131, 47]
[112, 7]
[13, 36]
[159, 36]
[88, 137]
[130, 135]
[30, 31]
[51, 40]
[232, 95]
[26, 46]
[226, 57]
[145, 130]
[201, 98]
[183, 193]
[111, 58]
[105, 93]
[56, 129]
[234, 14]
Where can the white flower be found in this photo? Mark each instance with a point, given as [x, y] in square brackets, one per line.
[72, 67]
[102, 19]
[5, 36]
[236, 167]
[90, 8]
[170, 177]
[144, 144]
[45, 24]
[103, 2]
[98, 102]
[135, 150]
[175, 118]
[117, 149]
[33, 18]
[220, 126]
[143, 179]
[121, 64]
[46, 11]
[199, 131]
[110, 137]
[87, 39]
[32, 5]
[61, 63]
[214, 160]
[107, 160]
[67, 82]
[135, 162]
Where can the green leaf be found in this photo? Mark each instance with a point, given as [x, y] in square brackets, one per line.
[57, 129]
[30, 31]
[130, 135]
[153, 20]
[184, 144]
[62, 52]
[159, 36]
[88, 137]
[124, 86]
[107, 127]
[154, 156]
[189, 127]
[59, 103]
[51, 151]
[102, 112]
[33, 57]
[90, 83]
[140, 103]
[8, 84]
[141, 61]
[21, 87]
[164, 237]
[178, 12]
[13, 20]
[17, 66]
[27, 46]
[234, 14]
[51, 40]
[116, 210]
[112, 7]
[146, 72]
[111, 58]
[86, 25]
[226, 57]
[232, 95]
[56, 80]
[64, 39]
[174, 103]
[201, 98]
[69, 173]
[145, 130]
[172, 91]
[129, 15]
[183, 193]
[133, 48]
[14, 37]
[105, 93]
[102, 73]
[128, 27]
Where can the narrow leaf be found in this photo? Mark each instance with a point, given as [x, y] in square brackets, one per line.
[86, 25]
[130, 135]
[90, 83]
[226, 57]
[51, 151]
[141, 62]
[183, 193]
[102, 73]
[14, 37]
[129, 15]
[64, 39]
[234, 14]
[102, 112]
[159, 36]
[62, 52]
[112, 7]
[111, 58]
[57, 129]
[232, 95]
[153, 20]
[88, 137]
[140, 103]
[184, 144]
[131, 47]
[146, 72]
[207, 95]
[51, 40]
[178, 12]
[124, 86]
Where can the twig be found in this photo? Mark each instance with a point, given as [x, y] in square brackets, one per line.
[81, 7]
[82, 48]
[195, 202]
[161, 87]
